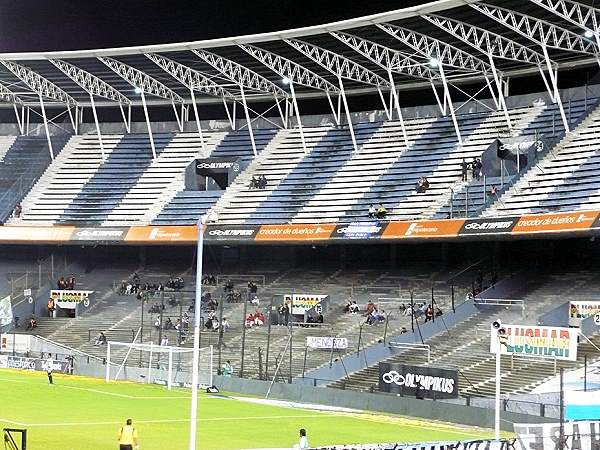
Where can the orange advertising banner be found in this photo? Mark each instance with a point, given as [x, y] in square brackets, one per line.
[36, 234]
[423, 229]
[149, 234]
[539, 223]
[294, 232]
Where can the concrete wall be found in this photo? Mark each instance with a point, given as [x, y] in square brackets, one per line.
[386, 403]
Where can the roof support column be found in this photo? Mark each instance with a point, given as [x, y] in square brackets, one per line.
[27, 123]
[197, 117]
[448, 103]
[97, 125]
[388, 111]
[148, 125]
[348, 117]
[20, 121]
[501, 99]
[46, 127]
[248, 119]
[295, 104]
[441, 105]
[556, 94]
[397, 106]
[73, 119]
[282, 113]
[178, 117]
[336, 116]
[126, 119]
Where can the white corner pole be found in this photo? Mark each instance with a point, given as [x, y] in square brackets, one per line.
[297, 112]
[196, 353]
[148, 125]
[248, 120]
[150, 363]
[107, 362]
[397, 106]
[46, 127]
[197, 117]
[170, 375]
[97, 124]
[497, 406]
[348, 117]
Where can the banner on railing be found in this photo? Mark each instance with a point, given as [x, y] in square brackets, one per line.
[302, 303]
[537, 341]
[427, 382]
[580, 435]
[22, 363]
[70, 299]
[579, 310]
[17, 343]
[326, 342]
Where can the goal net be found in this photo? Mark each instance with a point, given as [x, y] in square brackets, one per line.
[164, 365]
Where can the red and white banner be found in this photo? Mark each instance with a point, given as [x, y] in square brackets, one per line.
[537, 341]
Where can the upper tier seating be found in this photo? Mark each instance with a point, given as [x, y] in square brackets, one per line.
[565, 179]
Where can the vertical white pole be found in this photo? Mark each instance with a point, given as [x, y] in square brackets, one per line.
[336, 117]
[501, 99]
[46, 127]
[19, 122]
[196, 354]
[448, 99]
[211, 366]
[554, 82]
[497, 416]
[107, 362]
[293, 92]
[150, 363]
[193, 96]
[97, 124]
[148, 125]
[170, 376]
[397, 106]
[248, 120]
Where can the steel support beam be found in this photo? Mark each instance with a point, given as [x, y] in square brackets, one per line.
[248, 121]
[147, 116]
[198, 127]
[43, 108]
[95, 114]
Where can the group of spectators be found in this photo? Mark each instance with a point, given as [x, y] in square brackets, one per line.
[17, 211]
[421, 310]
[476, 167]
[212, 323]
[258, 182]
[209, 280]
[255, 319]
[66, 284]
[372, 314]
[378, 212]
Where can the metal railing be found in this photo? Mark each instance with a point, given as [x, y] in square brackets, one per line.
[409, 346]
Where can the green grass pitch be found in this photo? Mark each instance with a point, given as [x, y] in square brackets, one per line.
[81, 413]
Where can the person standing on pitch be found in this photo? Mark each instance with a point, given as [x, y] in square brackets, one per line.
[128, 436]
[49, 367]
[303, 439]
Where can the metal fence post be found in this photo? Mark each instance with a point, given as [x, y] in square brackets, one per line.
[243, 337]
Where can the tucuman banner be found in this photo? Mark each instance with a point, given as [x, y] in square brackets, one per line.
[582, 310]
[537, 341]
[579, 435]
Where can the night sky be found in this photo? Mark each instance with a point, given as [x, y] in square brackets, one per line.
[44, 25]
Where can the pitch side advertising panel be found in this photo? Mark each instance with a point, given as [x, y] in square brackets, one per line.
[537, 341]
[580, 435]
[580, 310]
[295, 232]
[423, 229]
[100, 234]
[22, 363]
[488, 226]
[431, 382]
[230, 232]
[549, 223]
[359, 230]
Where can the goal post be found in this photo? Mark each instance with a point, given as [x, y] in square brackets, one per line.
[165, 365]
[14, 438]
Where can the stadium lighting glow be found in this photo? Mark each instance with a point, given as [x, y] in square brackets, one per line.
[588, 34]
[138, 90]
[434, 62]
[285, 80]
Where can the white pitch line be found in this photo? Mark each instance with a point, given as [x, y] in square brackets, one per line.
[207, 419]
[21, 424]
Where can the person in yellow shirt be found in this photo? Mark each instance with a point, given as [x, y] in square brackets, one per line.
[127, 436]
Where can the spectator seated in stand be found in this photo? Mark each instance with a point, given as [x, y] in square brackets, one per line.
[255, 301]
[354, 308]
[175, 283]
[32, 323]
[347, 307]
[422, 185]
[168, 324]
[157, 323]
[381, 211]
[403, 330]
[370, 308]
[17, 211]
[262, 182]
[493, 192]
[227, 369]
[438, 311]
[225, 324]
[252, 287]
[428, 314]
[249, 323]
[215, 324]
[372, 212]
[254, 182]
[259, 319]
[100, 340]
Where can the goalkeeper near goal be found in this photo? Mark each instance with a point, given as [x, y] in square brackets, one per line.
[128, 436]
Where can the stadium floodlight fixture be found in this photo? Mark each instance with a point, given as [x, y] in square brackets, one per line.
[433, 62]
[588, 34]
[285, 80]
[137, 90]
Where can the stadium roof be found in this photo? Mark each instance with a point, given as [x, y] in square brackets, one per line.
[446, 41]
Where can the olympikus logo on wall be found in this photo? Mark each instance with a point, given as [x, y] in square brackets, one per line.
[215, 165]
[230, 232]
